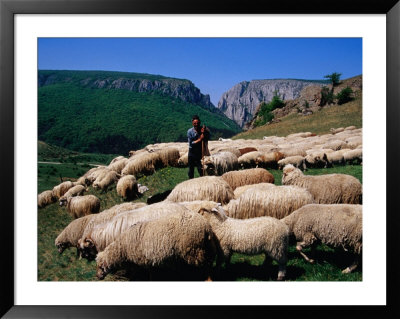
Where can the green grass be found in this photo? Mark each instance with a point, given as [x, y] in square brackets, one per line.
[52, 219]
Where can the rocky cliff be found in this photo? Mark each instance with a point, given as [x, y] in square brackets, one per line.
[309, 100]
[181, 89]
[241, 101]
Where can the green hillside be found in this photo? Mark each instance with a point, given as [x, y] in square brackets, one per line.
[115, 121]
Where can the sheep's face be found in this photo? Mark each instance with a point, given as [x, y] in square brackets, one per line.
[101, 272]
[62, 246]
[63, 201]
[209, 166]
[87, 249]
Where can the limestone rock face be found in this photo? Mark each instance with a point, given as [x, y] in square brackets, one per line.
[241, 101]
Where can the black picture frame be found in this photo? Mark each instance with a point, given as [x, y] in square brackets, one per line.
[8, 10]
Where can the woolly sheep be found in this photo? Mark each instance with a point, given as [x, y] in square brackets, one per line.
[107, 180]
[326, 189]
[224, 139]
[260, 159]
[182, 237]
[62, 188]
[71, 234]
[353, 156]
[91, 175]
[354, 141]
[196, 205]
[118, 165]
[350, 128]
[80, 206]
[338, 225]
[335, 145]
[127, 187]
[213, 188]
[98, 238]
[76, 190]
[297, 161]
[46, 198]
[253, 236]
[266, 199]
[316, 159]
[248, 176]
[293, 151]
[220, 163]
[336, 130]
[169, 156]
[183, 161]
[335, 158]
[141, 164]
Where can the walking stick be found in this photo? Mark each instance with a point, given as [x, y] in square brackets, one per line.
[202, 153]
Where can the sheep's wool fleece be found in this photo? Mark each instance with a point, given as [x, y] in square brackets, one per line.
[80, 206]
[212, 188]
[268, 200]
[196, 205]
[105, 234]
[248, 176]
[184, 235]
[253, 236]
[108, 214]
[336, 225]
[326, 189]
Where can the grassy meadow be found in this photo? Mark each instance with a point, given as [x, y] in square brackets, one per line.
[52, 219]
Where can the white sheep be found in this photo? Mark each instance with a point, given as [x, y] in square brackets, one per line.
[98, 238]
[353, 156]
[62, 188]
[118, 164]
[213, 188]
[106, 179]
[183, 160]
[220, 163]
[76, 190]
[224, 139]
[248, 176]
[326, 189]
[80, 206]
[260, 159]
[338, 225]
[71, 234]
[127, 187]
[336, 130]
[296, 160]
[266, 199]
[46, 198]
[180, 237]
[142, 163]
[253, 236]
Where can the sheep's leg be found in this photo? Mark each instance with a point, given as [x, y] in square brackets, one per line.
[352, 267]
[282, 272]
[299, 248]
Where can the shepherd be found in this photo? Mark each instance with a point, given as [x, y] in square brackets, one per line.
[198, 146]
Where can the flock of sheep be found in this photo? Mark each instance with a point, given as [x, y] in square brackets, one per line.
[235, 208]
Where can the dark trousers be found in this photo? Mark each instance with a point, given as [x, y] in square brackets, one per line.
[194, 162]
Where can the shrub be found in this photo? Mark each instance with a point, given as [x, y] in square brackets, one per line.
[326, 96]
[344, 96]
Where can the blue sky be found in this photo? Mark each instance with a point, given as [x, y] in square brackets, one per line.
[214, 65]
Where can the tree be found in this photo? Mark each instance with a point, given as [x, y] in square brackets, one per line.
[334, 78]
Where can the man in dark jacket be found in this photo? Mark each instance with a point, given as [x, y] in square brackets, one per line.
[197, 137]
